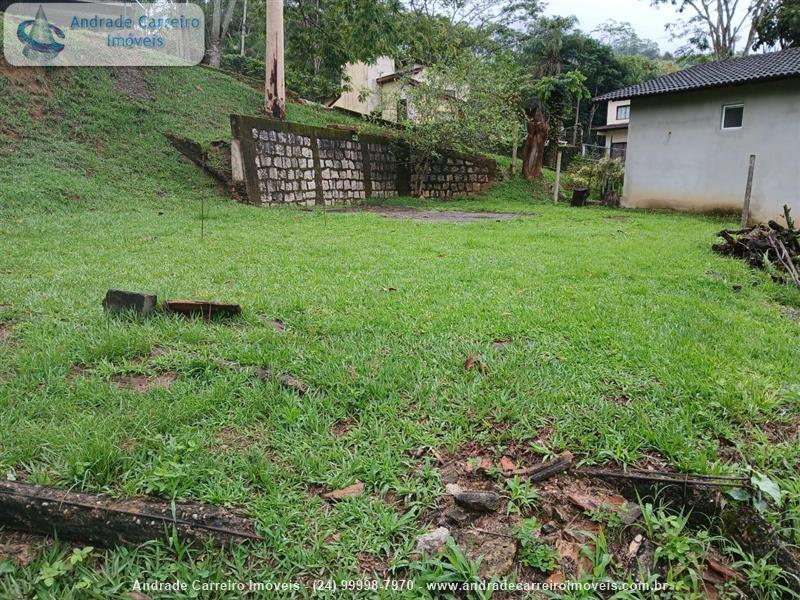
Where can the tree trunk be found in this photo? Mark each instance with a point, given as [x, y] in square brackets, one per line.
[533, 153]
[219, 29]
[275, 79]
[577, 121]
[243, 31]
[514, 145]
[214, 38]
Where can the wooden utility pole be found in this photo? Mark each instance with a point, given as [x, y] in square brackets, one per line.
[748, 190]
[275, 93]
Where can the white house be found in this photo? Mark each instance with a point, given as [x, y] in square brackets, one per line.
[379, 89]
[615, 131]
[691, 133]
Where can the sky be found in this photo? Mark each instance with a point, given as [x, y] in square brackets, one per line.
[647, 20]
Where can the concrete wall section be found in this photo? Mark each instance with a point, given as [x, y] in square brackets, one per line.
[287, 163]
[680, 157]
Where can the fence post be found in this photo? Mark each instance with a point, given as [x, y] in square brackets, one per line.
[558, 178]
[748, 191]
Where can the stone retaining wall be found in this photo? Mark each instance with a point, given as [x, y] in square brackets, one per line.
[288, 163]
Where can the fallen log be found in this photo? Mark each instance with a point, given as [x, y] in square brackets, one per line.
[107, 522]
[544, 470]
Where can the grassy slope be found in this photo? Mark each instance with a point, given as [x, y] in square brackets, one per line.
[93, 197]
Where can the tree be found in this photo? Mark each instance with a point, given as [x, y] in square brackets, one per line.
[219, 29]
[558, 94]
[323, 35]
[545, 43]
[778, 25]
[716, 25]
[623, 39]
[467, 104]
[533, 152]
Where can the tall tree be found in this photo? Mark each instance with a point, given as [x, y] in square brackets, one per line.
[219, 29]
[778, 26]
[623, 39]
[716, 25]
[323, 35]
[466, 104]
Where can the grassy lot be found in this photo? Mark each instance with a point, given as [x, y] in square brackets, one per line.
[627, 341]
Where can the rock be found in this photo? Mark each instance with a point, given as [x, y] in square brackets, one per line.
[636, 543]
[118, 301]
[351, 491]
[453, 489]
[497, 552]
[455, 515]
[478, 500]
[433, 541]
[449, 474]
[549, 527]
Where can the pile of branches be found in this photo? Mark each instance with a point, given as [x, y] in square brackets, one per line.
[771, 246]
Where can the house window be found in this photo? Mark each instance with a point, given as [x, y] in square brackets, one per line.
[732, 116]
[623, 112]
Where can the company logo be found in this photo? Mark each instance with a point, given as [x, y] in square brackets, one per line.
[37, 35]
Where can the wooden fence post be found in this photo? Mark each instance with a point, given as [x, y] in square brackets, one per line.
[748, 191]
[558, 178]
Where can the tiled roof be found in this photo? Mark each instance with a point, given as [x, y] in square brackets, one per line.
[757, 67]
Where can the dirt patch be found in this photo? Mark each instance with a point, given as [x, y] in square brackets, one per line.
[783, 431]
[371, 564]
[342, 428]
[131, 82]
[5, 331]
[616, 218]
[136, 381]
[444, 216]
[568, 511]
[142, 383]
[19, 552]
[230, 438]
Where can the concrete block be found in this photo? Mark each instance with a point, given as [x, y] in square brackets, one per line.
[118, 301]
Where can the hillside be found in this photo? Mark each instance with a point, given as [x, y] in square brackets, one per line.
[94, 136]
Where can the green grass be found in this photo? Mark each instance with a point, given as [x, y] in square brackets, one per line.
[380, 316]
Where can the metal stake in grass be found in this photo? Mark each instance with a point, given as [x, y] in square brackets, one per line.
[202, 218]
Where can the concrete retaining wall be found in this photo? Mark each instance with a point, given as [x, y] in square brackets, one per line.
[289, 163]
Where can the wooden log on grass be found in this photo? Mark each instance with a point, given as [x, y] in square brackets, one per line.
[103, 521]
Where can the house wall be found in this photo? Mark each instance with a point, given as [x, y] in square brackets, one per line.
[362, 95]
[278, 162]
[615, 136]
[680, 158]
[611, 114]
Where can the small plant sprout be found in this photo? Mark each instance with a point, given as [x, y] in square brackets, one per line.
[533, 551]
[522, 495]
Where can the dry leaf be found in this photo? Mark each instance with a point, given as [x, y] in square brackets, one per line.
[506, 464]
[349, 492]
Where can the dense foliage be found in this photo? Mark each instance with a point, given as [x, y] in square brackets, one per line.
[779, 25]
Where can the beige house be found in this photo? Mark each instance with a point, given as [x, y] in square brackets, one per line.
[379, 89]
[691, 134]
[614, 133]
